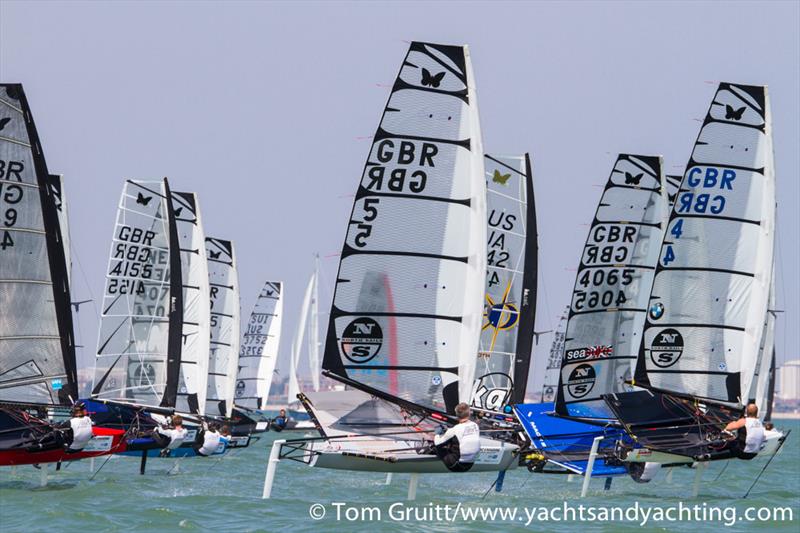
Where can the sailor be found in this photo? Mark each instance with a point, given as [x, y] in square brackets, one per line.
[169, 439]
[211, 440]
[81, 428]
[749, 434]
[458, 446]
[279, 422]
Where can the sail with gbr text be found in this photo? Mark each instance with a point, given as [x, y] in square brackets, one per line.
[612, 288]
[139, 346]
[711, 288]
[407, 308]
[506, 340]
[37, 349]
[225, 310]
[259, 348]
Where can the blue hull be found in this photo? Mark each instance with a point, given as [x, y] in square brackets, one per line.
[567, 443]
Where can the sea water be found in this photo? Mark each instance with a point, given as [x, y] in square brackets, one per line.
[224, 494]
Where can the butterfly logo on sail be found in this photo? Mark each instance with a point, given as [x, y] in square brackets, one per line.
[429, 80]
[142, 199]
[630, 179]
[735, 114]
[213, 254]
[3, 122]
[502, 179]
[178, 211]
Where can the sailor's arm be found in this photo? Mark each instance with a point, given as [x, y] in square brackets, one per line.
[735, 425]
[449, 434]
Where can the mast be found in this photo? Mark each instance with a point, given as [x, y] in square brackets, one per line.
[407, 307]
[506, 339]
[612, 287]
[717, 252]
[34, 286]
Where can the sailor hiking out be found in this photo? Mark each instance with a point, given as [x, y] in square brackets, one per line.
[749, 436]
[458, 446]
[211, 440]
[169, 439]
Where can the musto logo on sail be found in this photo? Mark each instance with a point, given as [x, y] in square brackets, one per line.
[581, 380]
[666, 348]
[362, 340]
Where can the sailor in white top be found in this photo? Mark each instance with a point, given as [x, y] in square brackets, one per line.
[750, 434]
[211, 440]
[81, 426]
[459, 445]
[176, 435]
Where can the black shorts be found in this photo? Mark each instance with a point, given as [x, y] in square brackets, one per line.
[450, 454]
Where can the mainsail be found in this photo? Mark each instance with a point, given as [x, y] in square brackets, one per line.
[193, 382]
[765, 366]
[259, 349]
[553, 370]
[139, 347]
[506, 339]
[225, 310]
[37, 365]
[612, 287]
[710, 293]
[407, 308]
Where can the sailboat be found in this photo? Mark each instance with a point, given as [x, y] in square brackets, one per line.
[259, 350]
[605, 319]
[38, 374]
[506, 339]
[706, 315]
[407, 310]
[149, 361]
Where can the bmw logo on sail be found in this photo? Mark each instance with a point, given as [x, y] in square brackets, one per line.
[362, 340]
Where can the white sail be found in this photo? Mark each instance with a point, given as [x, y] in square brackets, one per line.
[709, 299]
[138, 351]
[407, 310]
[553, 370]
[225, 310]
[37, 353]
[313, 329]
[506, 339]
[612, 287]
[259, 348]
[192, 388]
[297, 342]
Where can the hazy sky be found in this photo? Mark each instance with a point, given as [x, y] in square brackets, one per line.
[266, 109]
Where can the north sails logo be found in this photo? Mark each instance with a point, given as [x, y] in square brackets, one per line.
[666, 348]
[362, 340]
[581, 380]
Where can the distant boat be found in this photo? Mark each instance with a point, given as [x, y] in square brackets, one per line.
[553, 369]
[38, 374]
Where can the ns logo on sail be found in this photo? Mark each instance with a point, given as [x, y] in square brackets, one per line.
[362, 340]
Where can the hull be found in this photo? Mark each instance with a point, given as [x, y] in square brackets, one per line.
[370, 456]
[104, 442]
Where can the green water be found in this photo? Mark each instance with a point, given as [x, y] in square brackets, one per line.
[224, 495]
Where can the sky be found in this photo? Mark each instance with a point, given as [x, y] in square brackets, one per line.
[266, 110]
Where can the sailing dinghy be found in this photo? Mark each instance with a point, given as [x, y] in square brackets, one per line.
[604, 322]
[407, 310]
[38, 374]
[706, 315]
